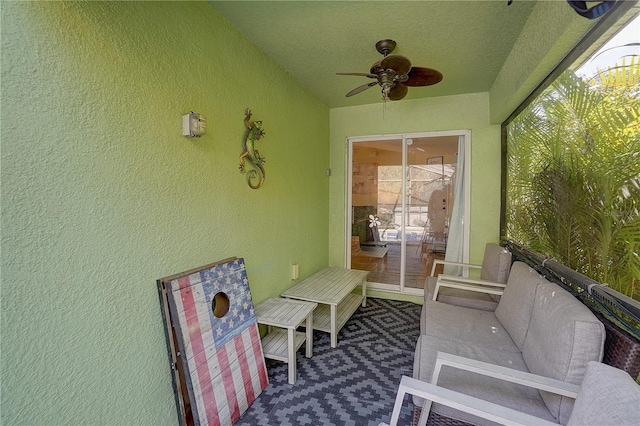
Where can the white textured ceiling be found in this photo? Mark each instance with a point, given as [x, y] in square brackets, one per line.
[468, 41]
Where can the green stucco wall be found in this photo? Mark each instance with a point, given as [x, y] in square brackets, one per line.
[551, 31]
[463, 112]
[101, 195]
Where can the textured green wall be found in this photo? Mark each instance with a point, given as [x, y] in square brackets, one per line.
[101, 195]
[464, 112]
[551, 31]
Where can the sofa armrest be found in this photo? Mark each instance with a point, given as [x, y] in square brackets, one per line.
[454, 278]
[462, 402]
[478, 286]
[496, 371]
[446, 262]
[504, 373]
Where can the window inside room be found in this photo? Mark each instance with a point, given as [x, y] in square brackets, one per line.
[573, 167]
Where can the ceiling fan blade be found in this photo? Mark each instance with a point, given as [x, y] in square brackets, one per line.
[362, 74]
[419, 76]
[400, 64]
[398, 92]
[361, 88]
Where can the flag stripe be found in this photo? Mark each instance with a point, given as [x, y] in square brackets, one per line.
[193, 386]
[244, 368]
[227, 380]
[259, 356]
[252, 365]
[195, 337]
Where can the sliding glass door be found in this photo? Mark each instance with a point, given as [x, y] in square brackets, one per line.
[399, 198]
[376, 206]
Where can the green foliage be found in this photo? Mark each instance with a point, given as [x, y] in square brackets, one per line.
[573, 178]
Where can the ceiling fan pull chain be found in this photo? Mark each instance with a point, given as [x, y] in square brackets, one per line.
[384, 107]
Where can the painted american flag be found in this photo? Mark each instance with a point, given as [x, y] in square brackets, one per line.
[225, 365]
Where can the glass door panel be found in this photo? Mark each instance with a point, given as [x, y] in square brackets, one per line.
[431, 163]
[376, 194]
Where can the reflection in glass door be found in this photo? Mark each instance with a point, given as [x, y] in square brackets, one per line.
[431, 164]
[375, 199]
[401, 194]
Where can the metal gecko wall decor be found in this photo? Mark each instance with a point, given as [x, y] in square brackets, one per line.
[255, 177]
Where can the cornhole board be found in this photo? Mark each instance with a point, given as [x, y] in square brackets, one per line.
[216, 357]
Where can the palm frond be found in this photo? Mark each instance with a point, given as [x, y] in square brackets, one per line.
[574, 175]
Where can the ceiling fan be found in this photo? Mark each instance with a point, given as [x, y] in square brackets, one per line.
[394, 74]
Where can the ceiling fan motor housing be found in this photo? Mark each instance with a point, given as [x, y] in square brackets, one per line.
[386, 78]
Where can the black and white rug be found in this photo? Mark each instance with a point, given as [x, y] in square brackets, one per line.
[353, 384]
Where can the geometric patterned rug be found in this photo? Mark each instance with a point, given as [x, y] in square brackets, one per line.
[353, 384]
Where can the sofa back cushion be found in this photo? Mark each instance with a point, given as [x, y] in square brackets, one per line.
[495, 263]
[607, 396]
[563, 337]
[516, 304]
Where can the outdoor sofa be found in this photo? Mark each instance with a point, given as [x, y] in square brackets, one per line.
[537, 327]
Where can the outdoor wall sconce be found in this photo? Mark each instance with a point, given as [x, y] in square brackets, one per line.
[194, 125]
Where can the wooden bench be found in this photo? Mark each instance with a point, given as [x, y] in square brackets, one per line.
[331, 288]
[282, 343]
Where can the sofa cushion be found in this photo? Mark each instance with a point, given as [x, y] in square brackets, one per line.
[471, 326]
[516, 303]
[608, 396]
[563, 336]
[490, 389]
[495, 266]
[496, 263]
[453, 296]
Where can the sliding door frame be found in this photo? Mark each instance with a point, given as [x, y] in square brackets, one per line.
[349, 144]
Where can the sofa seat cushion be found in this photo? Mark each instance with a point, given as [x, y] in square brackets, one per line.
[563, 337]
[505, 393]
[466, 325]
[454, 296]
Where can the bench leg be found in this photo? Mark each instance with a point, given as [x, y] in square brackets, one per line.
[364, 293]
[334, 320]
[309, 342]
[291, 355]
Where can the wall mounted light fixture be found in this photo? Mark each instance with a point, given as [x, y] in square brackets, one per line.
[194, 125]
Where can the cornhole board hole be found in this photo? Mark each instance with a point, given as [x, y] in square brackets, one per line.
[216, 357]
